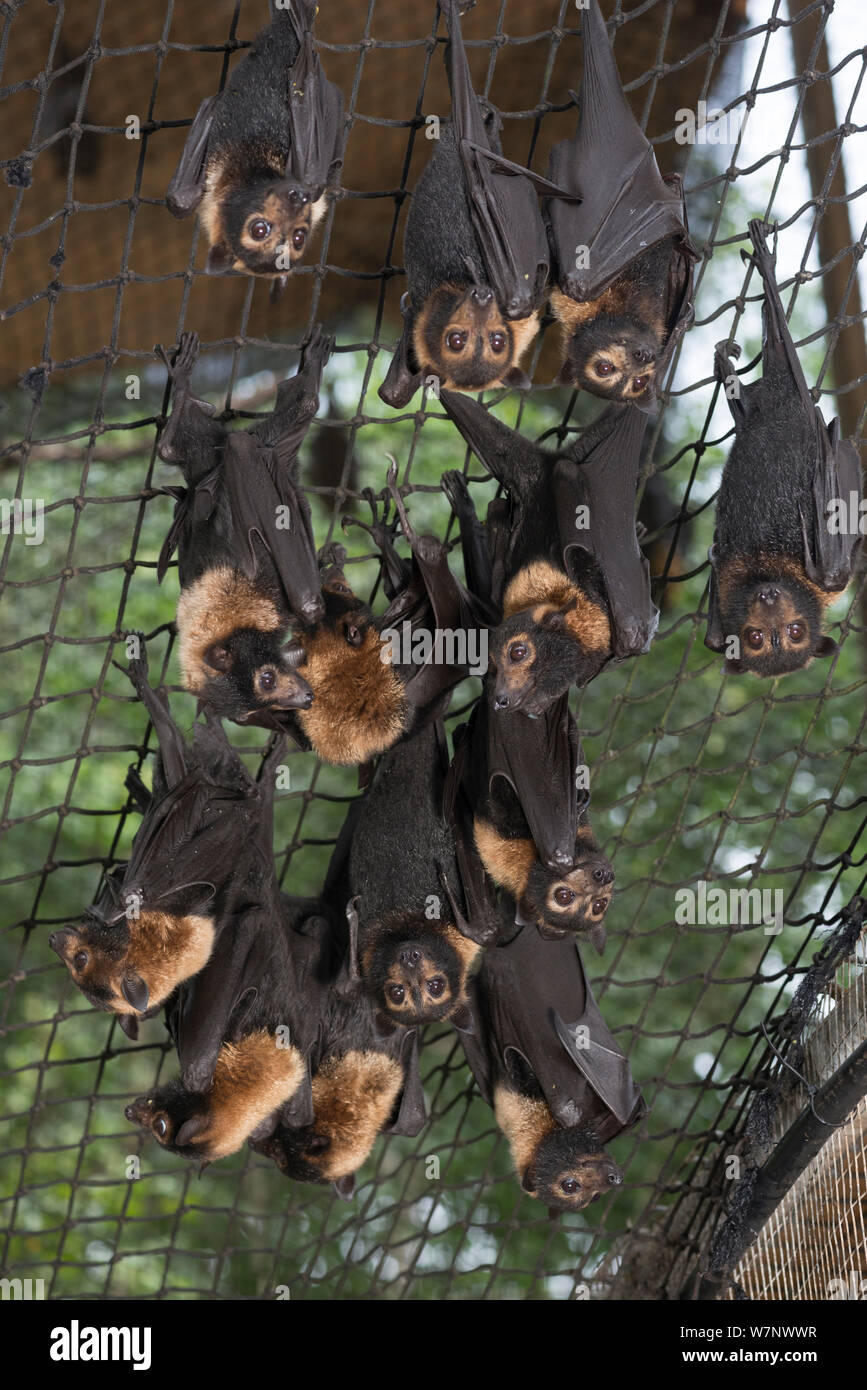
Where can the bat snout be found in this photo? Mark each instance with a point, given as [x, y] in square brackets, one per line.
[137, 1111]
[409, 957]
[603, 874]
[58, 941]
[769, 595]
[312, 610]
[481, 295]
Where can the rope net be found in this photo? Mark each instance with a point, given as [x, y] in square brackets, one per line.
[697, 779]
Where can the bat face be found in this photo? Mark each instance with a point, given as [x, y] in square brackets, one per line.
[298, 1153]
[247, 674]
[264, 229]
[173, 1116]
[612, 357]
[461, 335]
[416, 970]
[96, 961]
[576, 901]
[569, 1170]
[124, 972]
[534, 658]
[359, 708]
[778, 623]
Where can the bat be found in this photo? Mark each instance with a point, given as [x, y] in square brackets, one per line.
[156, 921]
[518, 780]
[260, 156]
[246, 1026]
[562, 556]
[544, 1060]
[476, 253]
[782, 551]
[622, 254]
[371, 686]
[246, 556]
[408, 931]
[363, 1081]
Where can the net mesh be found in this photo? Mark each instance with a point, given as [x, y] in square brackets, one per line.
[698, 782]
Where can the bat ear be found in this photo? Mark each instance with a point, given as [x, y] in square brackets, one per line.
[218, 657]
[732, 666]
[517, 379]
[564, 376]
[463, 1019]
[555, 621]
[129, 1025]
[528, 1181]
[189, 1129]
[293, 653]
[345, 1187]
[219, 259]
[135, 992]
[383, 1026]
[598, 937]
[827, 647]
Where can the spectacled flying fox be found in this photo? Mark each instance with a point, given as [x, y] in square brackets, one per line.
[157, 920]
[410, 940]
[513, 792]
[476, 252]
[363, 1081]
[246, 556]
[781, 553]
[260, 155]
[366, 696]
[623, 258]
[544, 1060]
[246, 1025]
[562, 552]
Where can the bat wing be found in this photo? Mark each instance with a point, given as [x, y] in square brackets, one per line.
[601, 473]
[316, 126]
[778, 349]
[514, 461]
[532, 986]
[266, 506]
[828, 561]
[481, 923]
[187, 186]
[538, 758]
[500, 194]
[715, 637]
[412, 1113]
[286, 428]
[477, 1045]
[215, 1000]
[402, 379]
[627, 205]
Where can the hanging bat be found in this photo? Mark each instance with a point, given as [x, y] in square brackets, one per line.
[246, 1027]
[559, 1085]
[476, 253]
[156, 921]
[246, 557]
[781, 551]
[260, 155]
[565, 566]
[518, 784]
[362, 1081]
[411, 945]
[370, 685]
[623, 257]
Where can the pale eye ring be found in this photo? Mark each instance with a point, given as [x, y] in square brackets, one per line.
[603, 368]
[456, 341]
[259, 229]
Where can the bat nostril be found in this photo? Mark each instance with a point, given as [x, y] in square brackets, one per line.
[501, 702]
[615, 1179]
[129, 1112]
[409, 957]
[482, 295]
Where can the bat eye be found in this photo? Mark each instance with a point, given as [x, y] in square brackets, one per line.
[267, 680]
[299, 239]
[161, 1126]
[436, 986]
[80, 960]
[396, 993]
[259, 229]
[518, 651]
[498, 342]
[755, 638]
[598, 906]
[639, 383]
[570, 1186]
[455, 341]
[604, 368]
[797, 631]
[564, 896]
